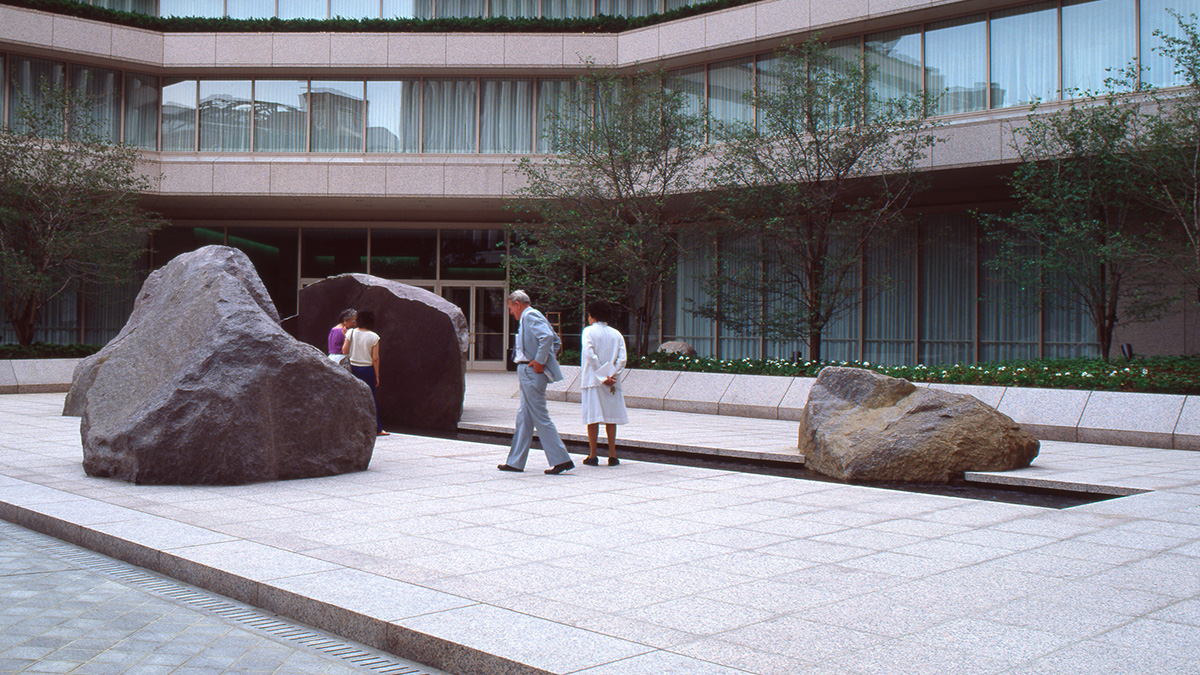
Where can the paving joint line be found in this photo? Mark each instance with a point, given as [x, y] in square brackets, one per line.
[248, 617]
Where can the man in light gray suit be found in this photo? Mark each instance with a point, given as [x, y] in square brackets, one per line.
[534, 353]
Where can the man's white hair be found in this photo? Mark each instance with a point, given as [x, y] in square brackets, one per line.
[519, 296]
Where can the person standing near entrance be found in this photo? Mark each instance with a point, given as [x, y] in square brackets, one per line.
[603, 359]
[362, 348]
[534, 354]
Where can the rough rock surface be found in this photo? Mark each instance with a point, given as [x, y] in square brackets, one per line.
[422, 345]
[677, 347]
[203, 386]
[863, 426]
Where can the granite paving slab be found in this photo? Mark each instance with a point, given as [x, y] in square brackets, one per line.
[647, 565]
[754, 396]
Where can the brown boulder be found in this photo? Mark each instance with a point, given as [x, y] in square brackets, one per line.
[422, 345]
[203, 386]
[862, 426]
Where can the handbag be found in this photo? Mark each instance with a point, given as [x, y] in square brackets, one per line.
[345, 362]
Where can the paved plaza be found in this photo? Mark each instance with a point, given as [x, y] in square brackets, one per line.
[653, 569]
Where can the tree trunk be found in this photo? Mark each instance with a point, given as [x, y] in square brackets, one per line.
[24, 323]
[814, 346]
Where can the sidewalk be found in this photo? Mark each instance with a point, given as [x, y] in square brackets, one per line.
[647, 568]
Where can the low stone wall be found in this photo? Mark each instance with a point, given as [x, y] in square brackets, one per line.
[36, 376]
[1107, 417]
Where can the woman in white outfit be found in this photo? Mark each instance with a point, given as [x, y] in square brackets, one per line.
[600, 384]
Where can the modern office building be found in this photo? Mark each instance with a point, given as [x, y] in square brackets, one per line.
[392, 153]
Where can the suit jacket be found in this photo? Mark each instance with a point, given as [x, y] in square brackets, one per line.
[539, 342]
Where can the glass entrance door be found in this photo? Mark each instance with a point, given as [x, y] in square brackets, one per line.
[482, 303]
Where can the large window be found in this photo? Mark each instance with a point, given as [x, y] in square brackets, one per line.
[1160, 70]
[337, 115]
[101, 89]
[729, 85]
[280, 115]
[449, 120]
[141, 111]
[305, 9]
[225, 115]
[1024, 48]
[506, 123]
[26, 78]
[393, 116]
[956, 64]
[327, 252]
[1097, 42]
[895, 57]
[179, 115]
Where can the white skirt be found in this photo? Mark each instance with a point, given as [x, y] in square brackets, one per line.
[601, 405]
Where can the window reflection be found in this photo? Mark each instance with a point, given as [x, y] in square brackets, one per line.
[1025, 55]
[956, 75]
[473, 254]
[329, 252]
[404, 254]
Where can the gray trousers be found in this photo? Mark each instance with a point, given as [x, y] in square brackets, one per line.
[533, 413]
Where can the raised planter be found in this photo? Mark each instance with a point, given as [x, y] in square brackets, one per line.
[36, 376]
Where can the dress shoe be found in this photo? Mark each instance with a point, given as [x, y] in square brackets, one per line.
[505, 467]
[559, 468]
[613, 461]
[591, 461]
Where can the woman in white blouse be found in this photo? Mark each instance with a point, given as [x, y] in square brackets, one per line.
[603, 359]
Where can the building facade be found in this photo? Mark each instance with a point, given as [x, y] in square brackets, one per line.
[393, 153]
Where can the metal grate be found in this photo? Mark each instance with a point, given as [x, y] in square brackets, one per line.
[250, 617]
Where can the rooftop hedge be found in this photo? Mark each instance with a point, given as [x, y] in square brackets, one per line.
[596, 24]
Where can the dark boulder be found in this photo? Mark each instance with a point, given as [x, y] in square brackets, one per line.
[203, 386]
[860, 425]
[422, 345]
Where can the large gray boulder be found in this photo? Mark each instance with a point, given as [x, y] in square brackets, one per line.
[203, 386]
[863, 426]
[423, 341]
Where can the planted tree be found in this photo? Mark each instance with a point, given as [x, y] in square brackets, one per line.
[603, 215]
[69, 213]
[826, 173]
[1078, 233]
[1168, 158]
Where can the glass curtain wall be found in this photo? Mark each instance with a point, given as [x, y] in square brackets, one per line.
[1098, 41]
[947, 285]
[690, 83]
[895, 57]
[195, 7]
[730, 84]
[225, 115]
[353, 9]
[507, 118]
[695, 265]
[566, 9]
[141, 111]
[250, 9]
[280, 115]
[957, 76]
[514, 8]
[452, 9]
[26, 77]
[561, 99]
[1160, 70]
[1024, 49]
[338, 115]
[393, 116]
[889, 308]
[449, 116]
[101, 88]
[306, 9]
[179, 115]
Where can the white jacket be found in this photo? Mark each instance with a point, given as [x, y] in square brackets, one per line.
[603, 355]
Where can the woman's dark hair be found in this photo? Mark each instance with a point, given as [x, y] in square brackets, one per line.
[347, 314]
[600, 311]
[366, 319]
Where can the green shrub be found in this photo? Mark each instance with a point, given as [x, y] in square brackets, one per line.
[41, 350]
[1157, 374]
[595, 24]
